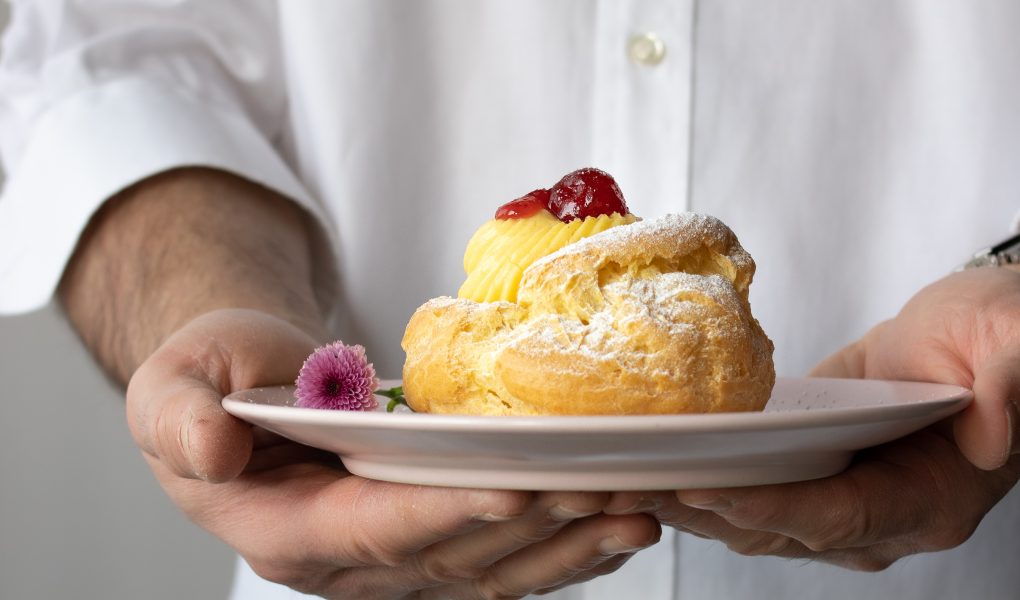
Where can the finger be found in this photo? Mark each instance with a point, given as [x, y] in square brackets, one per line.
[193, 435]
[988, 431]
[849, 363]
[852, 361]
[173, 401]
[305, 516]
[607, 567]
[919, 492]
[665, 507]
[387, 523]
[708, 525]
[577, 548]
[466, 557]
[748, 542]
[629, 503]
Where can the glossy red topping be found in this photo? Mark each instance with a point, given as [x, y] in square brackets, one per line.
[524, 206]
[584, 193]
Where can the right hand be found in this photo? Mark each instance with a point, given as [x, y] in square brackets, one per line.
[300, 519]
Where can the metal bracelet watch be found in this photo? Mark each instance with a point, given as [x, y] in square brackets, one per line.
[1006, 252]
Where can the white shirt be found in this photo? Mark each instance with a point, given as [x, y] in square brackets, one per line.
[859, 150]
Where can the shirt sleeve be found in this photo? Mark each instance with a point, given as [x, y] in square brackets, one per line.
[96, 96]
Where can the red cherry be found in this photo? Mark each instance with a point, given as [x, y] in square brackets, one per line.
[584, 193]
[524, 206]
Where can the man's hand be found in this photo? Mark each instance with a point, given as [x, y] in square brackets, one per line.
[194, 284]
[300, 519]
[925, 492]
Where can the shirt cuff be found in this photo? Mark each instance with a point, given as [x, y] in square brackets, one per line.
[98, 142]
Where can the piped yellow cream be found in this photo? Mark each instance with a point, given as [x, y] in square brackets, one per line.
[502, 249]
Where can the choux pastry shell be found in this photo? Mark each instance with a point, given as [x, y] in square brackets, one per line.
[647, 318]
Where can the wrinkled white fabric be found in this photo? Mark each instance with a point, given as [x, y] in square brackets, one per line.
[860, 149]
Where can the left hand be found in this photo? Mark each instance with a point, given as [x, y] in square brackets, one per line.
[924, 492]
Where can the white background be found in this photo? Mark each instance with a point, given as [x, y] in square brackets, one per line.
[80, 514]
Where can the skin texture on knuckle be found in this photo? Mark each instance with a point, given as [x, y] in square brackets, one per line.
[753, 513]
[160, 434]
[439, 568]
[137, 397]
[386, 512]
[526, 534]
[762, 544]
[503, 503]
[180, 440]
[217, 447]
[956, 505]
[681, 517]
[607, 567]
[492, 585]
[853, 517]
[491, 588]
[369, 538]
[843, 533]
[364, 546]
[581, 503]
[345, 542]
[156, 427]
[215, 361]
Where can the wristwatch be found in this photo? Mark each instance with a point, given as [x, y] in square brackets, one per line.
[1005, 252]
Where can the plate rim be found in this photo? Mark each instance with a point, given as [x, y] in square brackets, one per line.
[956, 398]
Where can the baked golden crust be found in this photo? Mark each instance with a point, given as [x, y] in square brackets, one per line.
[648, 318]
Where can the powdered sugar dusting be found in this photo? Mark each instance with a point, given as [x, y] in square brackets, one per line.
[676, 307]
[649, 309]
[445, 302]
[687, 231]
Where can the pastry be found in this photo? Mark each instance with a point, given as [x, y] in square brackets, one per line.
[573, 306]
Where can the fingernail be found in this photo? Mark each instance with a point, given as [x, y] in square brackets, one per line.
[705, 501]
[491, 518]
[185, 441]
[640, 506]
[614, 545]
[562, 513]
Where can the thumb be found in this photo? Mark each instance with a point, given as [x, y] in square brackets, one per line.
[988, 431]
[174, 399]
[183, 426]
[848, 363]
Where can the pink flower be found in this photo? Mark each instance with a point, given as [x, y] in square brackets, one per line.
[337, 377]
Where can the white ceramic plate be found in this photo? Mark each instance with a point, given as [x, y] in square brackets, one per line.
[810, 429]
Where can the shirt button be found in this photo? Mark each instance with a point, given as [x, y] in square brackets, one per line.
[646, 49]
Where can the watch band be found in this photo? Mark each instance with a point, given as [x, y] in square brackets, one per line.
[1005, 252]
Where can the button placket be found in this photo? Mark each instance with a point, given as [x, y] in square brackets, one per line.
[653, 101]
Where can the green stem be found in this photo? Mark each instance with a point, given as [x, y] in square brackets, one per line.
[394, 392]
[396, 396]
